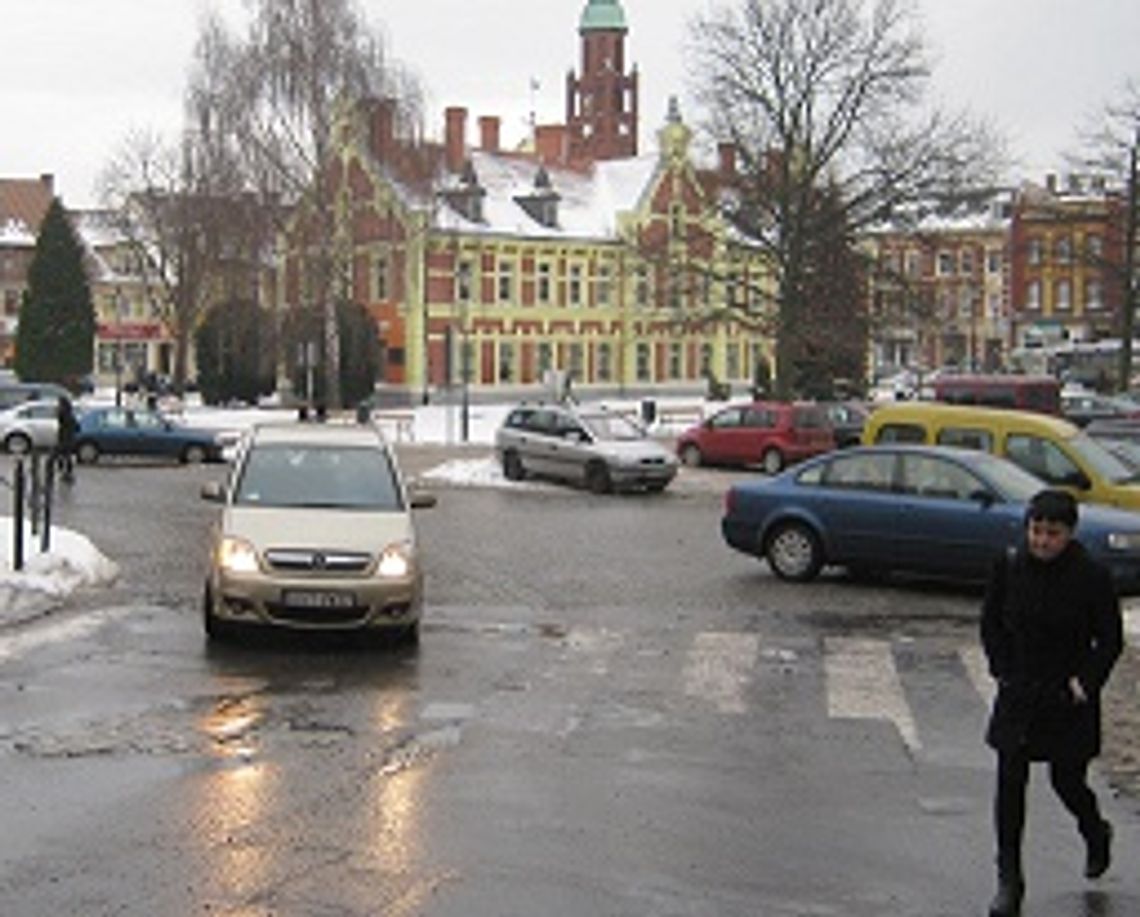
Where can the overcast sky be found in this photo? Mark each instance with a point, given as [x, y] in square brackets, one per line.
[76, 76]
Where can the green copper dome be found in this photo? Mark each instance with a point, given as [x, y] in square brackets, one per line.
[602, 15]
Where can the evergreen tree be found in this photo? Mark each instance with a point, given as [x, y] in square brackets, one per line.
[234, 353]
[56, 336]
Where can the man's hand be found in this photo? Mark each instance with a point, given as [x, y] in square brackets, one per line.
[1077, 690]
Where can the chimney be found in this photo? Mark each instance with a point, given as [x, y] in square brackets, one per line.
[550, 144]
[726, 150]
[489, 133]
[383, 125]
[455, 138]
[47, 179]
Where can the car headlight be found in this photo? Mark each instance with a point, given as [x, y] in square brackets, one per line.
[1124, 541]
[395, 561]
[236, 555]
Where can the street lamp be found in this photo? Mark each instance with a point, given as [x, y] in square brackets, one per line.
[119, 318]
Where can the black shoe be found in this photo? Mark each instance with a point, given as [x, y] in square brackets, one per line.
[1007, 901]
[1099, 852]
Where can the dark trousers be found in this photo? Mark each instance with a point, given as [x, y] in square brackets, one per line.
[1070, 783]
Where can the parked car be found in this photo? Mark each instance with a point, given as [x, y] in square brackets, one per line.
[13, 393]
[1082, 408]
[770, 433]
[143, 432]
[847, 419]
[1050, 448]
[316, 533]
[1024, 393]
[31, 425]
[601, 449]
[922, 509]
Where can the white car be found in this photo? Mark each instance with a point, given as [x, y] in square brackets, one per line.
[28, 426]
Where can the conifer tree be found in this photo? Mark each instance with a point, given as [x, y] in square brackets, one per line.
[56, 335]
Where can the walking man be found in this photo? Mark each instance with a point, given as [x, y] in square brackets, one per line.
[66, 428]
[1052, 631]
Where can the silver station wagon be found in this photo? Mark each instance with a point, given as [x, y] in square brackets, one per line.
[602, 450]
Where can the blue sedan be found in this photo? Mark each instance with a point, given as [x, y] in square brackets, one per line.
[928, 510]
[142, 432]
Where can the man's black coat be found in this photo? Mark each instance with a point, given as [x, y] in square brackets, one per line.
[1043, 623]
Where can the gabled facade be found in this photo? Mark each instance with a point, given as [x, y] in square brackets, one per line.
[23, 205]
[940, 289]
[1066, 249]
[491, 260]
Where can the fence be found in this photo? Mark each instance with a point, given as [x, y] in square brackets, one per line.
[33, 486]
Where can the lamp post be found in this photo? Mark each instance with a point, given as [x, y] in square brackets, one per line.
[119, 318]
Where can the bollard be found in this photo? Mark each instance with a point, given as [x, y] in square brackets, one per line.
[49, 488]
[18, 518]
[34, 494]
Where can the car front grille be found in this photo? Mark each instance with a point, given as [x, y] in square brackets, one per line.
[652, 461]
[309, 561]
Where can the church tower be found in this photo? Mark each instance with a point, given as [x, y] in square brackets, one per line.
[601, 104]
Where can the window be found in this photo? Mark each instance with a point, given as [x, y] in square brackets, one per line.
[1042, 458]
[677, 222]
[463, 281]
[730, 288]
[964, 438]
[544, 282]
[506, 281]
[901, 433]
[1064, 250]
[1094, 295]
[381, 275]
[545, 357]
[603, 285]
[994, 261]
[643, 362]
[642, 285]
[965, 303]
[861, 472]
[728, 419]
[913, 264]
[1095, 246]
[1033, 296]
[706, 359]
[732, 360]
[605, 362]
[945, 264]
[506, 361]
[759, 418]
[576, 362]
[1064, 295]
[575, 288]
[966, 264]
[675, 360]
[936, 478]
[1034, 251]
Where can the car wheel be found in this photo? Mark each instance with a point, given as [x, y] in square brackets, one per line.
[794, 552]
[193, 455]
[772, 461]
[598, 478]
[512, 466]
[410, 635]
[691, 455]
[87, 453]
[17, 444]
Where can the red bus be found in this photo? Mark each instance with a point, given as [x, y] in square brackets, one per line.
[1025, 393]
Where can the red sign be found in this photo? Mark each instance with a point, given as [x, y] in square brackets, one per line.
[138, 331]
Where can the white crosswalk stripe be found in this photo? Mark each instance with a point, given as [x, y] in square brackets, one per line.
[719, 667]
[863, 683]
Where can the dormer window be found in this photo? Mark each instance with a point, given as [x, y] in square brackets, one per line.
[467, 197]
[541, 204]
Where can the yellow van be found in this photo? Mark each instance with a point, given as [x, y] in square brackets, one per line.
[1050, 448]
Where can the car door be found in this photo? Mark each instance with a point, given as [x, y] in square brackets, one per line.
[724, 437]
[950, 521]
[111, 430]
[537, 442]
[570, 448]
[859, 509]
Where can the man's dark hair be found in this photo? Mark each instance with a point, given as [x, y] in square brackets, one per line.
[1053, 505]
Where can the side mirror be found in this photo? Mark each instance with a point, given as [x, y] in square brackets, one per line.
[214, 492]
[1078, 480]
[419, 499]
[984, 498]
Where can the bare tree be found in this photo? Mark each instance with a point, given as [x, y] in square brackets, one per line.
[827, 94]
[273, 98]
[1112, 143]
[177, 215]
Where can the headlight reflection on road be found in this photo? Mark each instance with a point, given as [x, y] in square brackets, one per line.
[394, 818]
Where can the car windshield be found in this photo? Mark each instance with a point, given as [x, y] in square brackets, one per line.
[304, 475]
[612, 426]
[1102, 461]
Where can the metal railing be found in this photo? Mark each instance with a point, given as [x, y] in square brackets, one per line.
[33, 487]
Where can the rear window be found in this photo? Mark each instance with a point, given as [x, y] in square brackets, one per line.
[809, 418]
[901, 433]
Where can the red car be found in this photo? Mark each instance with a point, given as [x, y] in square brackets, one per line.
[771, 433]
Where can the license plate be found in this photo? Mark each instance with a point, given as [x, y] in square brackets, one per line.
[311, 598]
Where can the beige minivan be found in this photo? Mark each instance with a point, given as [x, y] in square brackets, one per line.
[1053, 449]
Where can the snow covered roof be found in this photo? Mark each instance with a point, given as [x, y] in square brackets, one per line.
[16, 233]
[588, 203]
